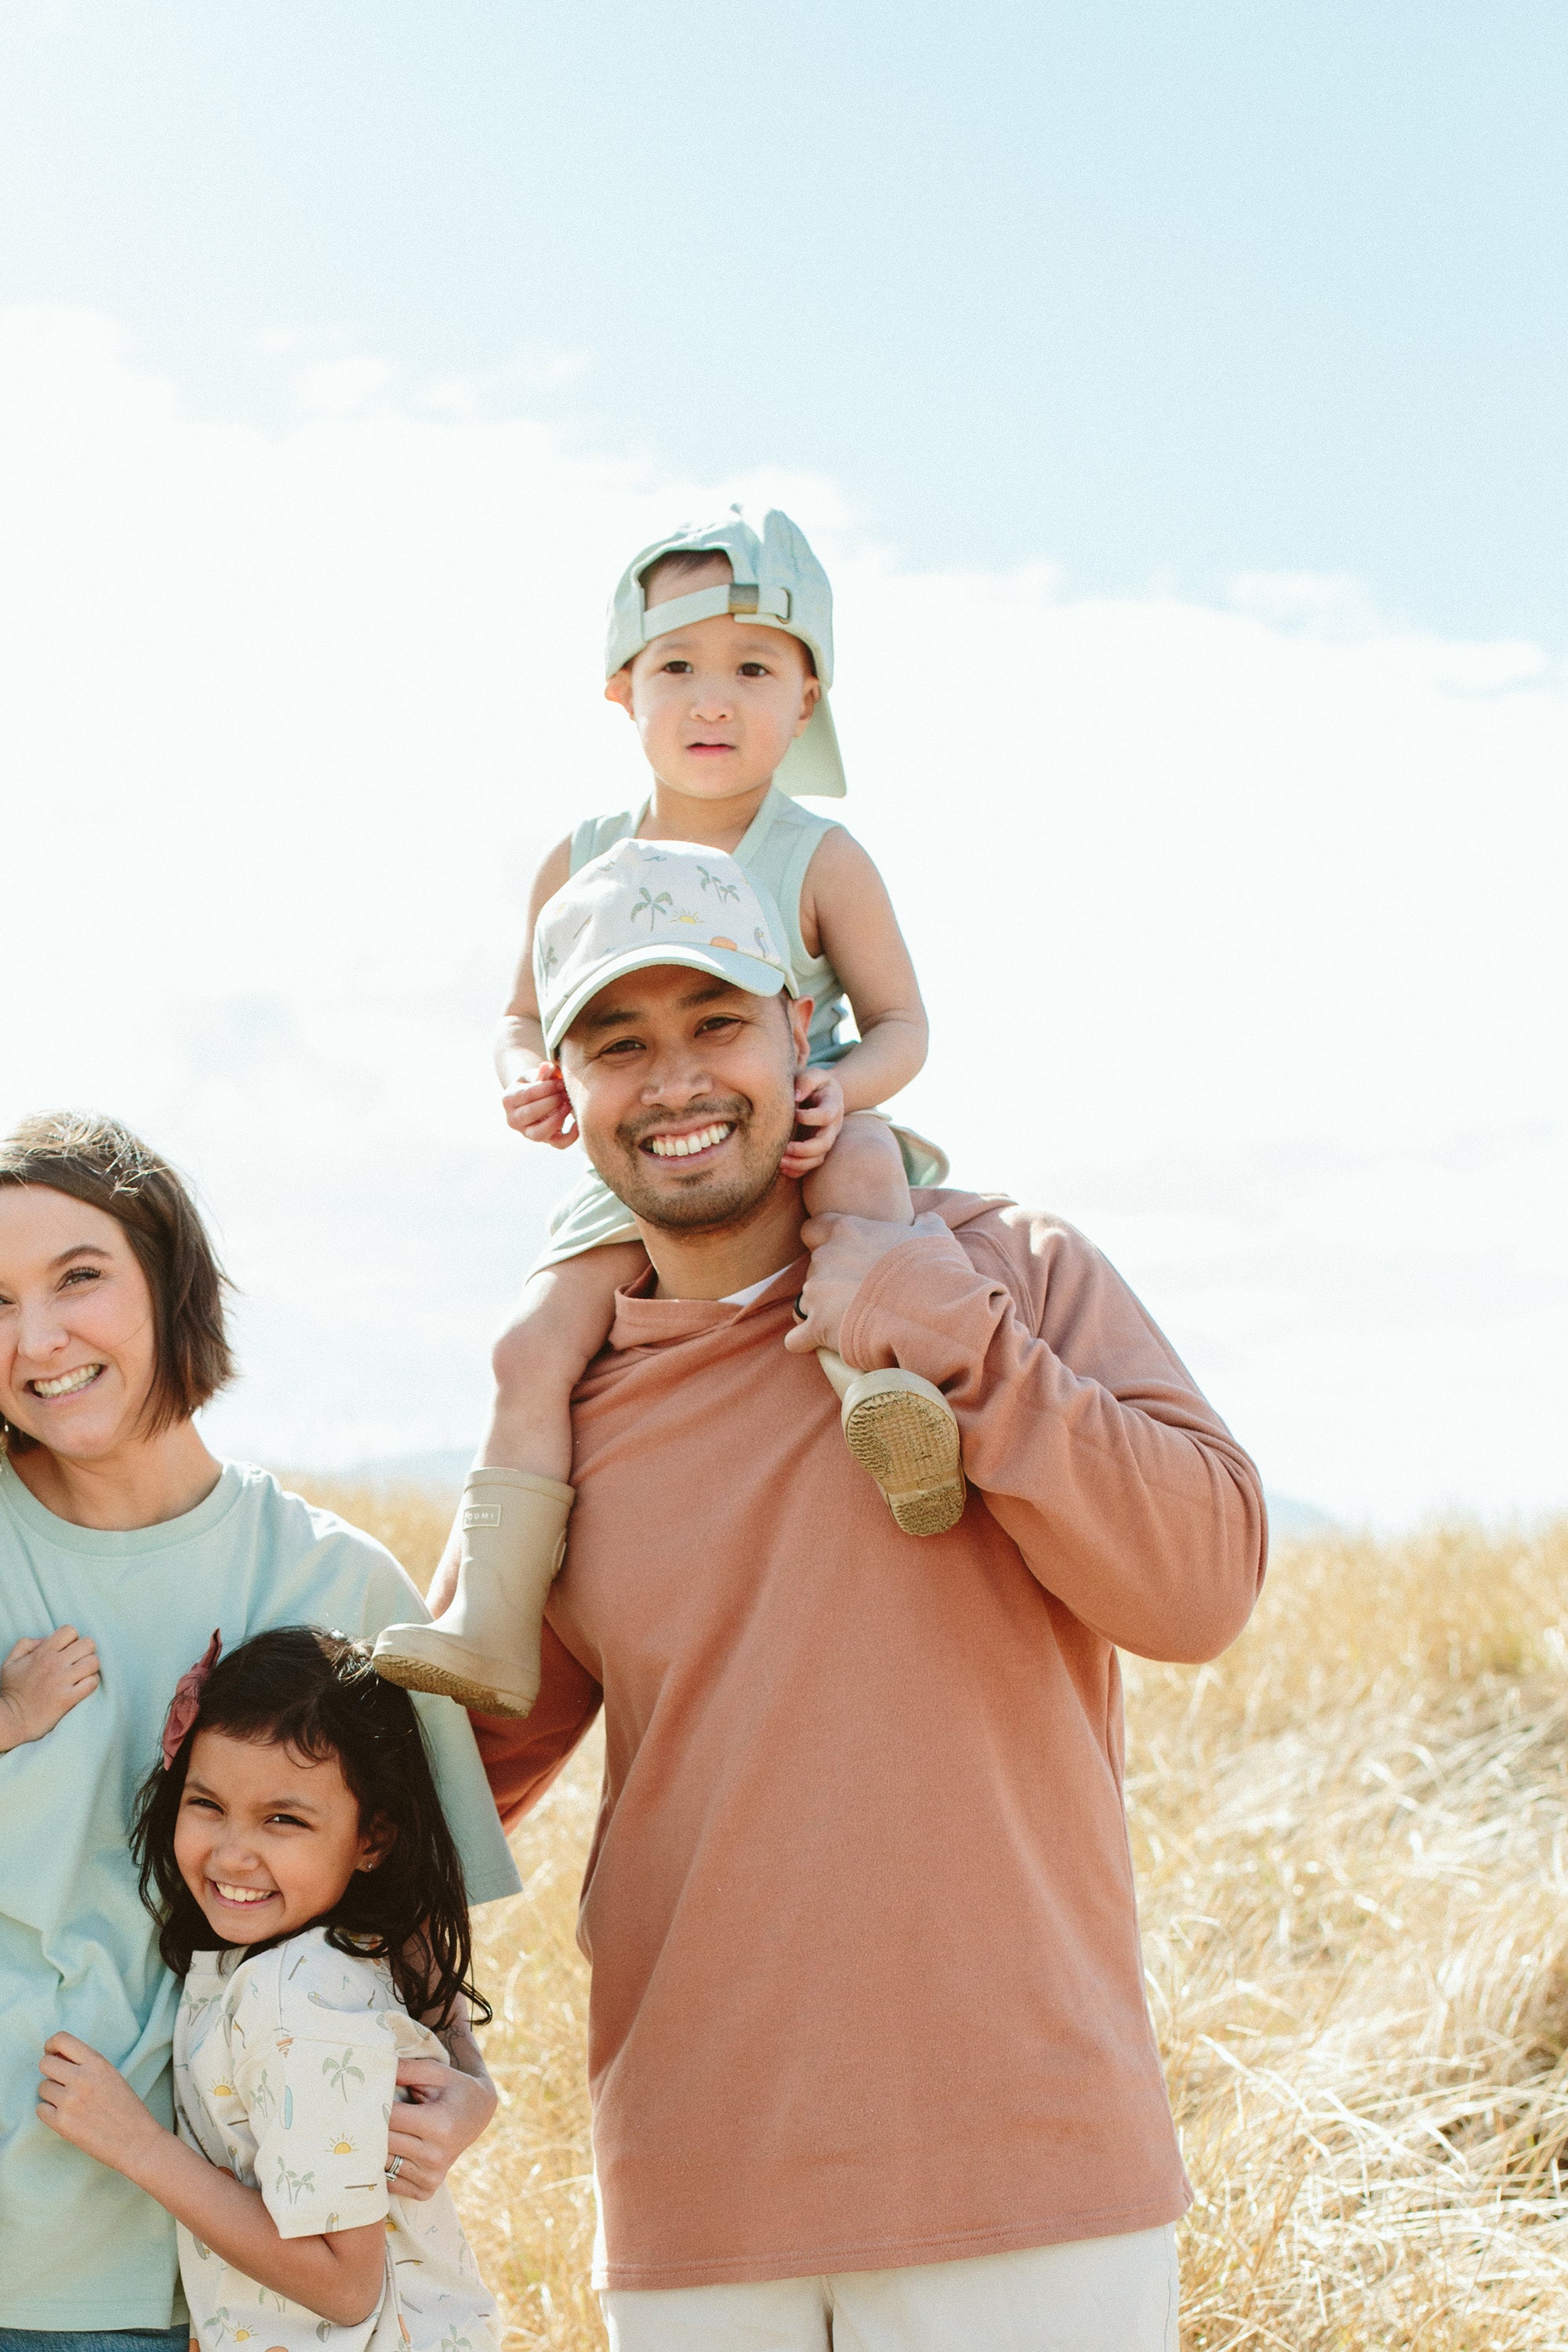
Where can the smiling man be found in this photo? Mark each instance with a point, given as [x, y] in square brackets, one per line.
[870, 2059]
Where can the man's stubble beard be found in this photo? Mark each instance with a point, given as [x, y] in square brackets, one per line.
[703, 1204]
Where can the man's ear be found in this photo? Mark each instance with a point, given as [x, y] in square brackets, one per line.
[811, 695]
[619, 688]
[800, 1010]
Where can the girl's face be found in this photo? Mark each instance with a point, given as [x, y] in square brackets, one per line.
[78, 1338]
[266, 1840]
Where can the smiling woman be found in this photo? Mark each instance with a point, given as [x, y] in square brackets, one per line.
[118, 1336]
[123, 1542]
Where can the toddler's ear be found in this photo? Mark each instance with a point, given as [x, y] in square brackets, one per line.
[619, 688]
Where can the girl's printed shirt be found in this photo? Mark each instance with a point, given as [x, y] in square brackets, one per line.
[77, 1946]
[284, 2074]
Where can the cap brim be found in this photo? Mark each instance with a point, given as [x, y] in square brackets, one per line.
[750, 973]
[812, 769]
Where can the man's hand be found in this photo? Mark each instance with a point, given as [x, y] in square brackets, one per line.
[843, 1251]
[89, 2102]
[818, 1108]
[451, 2108]
[42, 1680]
[538, 1108]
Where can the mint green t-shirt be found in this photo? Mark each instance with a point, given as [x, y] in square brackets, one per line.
[79, 2246]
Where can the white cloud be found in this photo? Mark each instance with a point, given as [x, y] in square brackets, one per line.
[1240, 926]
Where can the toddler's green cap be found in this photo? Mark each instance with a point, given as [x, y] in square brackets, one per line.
[778, 583]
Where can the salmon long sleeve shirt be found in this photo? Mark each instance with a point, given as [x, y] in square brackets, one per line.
[866, 1983]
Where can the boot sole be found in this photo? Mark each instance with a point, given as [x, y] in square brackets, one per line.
[909, 1444]
[456, 1675]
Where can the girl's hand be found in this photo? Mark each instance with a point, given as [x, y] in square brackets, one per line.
[538, 1108]
[89, 2102]
[42, 1680]
[819, 1109]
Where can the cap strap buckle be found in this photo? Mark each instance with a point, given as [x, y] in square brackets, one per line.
[745, 597]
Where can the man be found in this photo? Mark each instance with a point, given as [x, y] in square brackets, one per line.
[871, 2059]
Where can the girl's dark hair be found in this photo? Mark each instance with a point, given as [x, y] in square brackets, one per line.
[318, 1693]
[97, 1160]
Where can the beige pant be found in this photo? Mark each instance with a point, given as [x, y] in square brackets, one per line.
[1095, 2294]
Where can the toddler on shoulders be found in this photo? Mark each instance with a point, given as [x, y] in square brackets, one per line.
[720, 652]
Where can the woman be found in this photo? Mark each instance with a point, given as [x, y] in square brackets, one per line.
[123, 1543]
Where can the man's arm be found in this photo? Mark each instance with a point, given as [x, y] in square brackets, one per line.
[521, 1758]
[452, 2104]
[1125, 1493]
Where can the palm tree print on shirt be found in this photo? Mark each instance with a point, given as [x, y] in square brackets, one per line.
[341, 2071]
[291, 2184]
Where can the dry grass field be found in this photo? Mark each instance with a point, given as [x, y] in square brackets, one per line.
[1352, 1838]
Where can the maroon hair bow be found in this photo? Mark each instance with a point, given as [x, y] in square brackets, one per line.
[186, 1704]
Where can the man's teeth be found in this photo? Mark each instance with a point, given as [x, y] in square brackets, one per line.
[682, 1147]
[67, 1383]
[242, 1893]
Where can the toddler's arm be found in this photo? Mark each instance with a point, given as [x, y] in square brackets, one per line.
[337, 2275]
[532, 1096]
[845, 903]
[847, 915]
[42, 1680]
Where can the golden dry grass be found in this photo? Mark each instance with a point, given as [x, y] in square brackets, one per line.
[1352, 1840]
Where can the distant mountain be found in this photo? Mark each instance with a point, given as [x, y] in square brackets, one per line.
[1291, 1521]
[444, 1469]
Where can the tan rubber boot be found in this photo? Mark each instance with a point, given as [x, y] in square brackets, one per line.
[902, 1429]
[485, 1651]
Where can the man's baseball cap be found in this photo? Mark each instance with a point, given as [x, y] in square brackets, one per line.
[649, 902]
[779, 584]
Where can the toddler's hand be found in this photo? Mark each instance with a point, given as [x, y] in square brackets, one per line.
[42, 1680]
[819, 1109]
[89, 2102]
[540, 1110]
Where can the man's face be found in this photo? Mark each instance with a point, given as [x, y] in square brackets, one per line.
[719, 703]
[683, 1089]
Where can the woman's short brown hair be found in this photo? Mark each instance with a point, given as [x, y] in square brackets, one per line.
[97, 1160]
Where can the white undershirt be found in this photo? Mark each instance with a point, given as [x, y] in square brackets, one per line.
[753, 1290]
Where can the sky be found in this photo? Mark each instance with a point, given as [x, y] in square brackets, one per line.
[1175, 396]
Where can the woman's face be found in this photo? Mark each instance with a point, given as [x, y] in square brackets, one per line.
[77, 1340]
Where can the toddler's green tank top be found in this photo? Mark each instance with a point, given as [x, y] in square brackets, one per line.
[774, 854]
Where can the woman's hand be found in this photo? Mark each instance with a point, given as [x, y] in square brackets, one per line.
[42, 1680]
[818, 1108]
[89, 2102]
[451, 2107]
[538, 1108]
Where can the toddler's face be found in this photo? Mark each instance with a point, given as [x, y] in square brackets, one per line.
[266, 1840]
[719, 704]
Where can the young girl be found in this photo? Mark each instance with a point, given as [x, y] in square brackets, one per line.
[293, 1850]
[720, 652]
